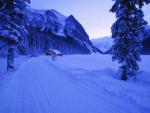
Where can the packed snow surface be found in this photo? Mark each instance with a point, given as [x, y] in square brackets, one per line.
[73, 84]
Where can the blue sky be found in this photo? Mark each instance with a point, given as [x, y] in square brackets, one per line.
[94, 15]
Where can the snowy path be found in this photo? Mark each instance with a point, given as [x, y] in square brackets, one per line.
[41, 87]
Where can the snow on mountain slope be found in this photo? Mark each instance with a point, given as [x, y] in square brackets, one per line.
[60, 16]
[62, 19]
[74, 84]
[103, 43]
[57, 31]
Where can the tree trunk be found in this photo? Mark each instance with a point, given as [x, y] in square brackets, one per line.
[10, 59]
[124, 73]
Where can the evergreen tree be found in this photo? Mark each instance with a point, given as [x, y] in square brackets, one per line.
[126, 34]
[12, 30]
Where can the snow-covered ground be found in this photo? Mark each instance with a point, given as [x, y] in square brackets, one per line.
[73, 84]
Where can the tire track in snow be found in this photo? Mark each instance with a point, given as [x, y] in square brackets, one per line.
[35, 91]
[39, 86]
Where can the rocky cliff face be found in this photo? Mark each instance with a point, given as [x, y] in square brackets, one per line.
[50, 29]
[75, 30]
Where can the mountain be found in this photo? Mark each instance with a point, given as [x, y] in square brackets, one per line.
[51, 29]
[103, 43]
[47, 29]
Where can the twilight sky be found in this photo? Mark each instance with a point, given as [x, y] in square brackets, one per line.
[94, 15]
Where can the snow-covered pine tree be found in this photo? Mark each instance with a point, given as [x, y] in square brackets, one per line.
[125, 32]
[11, 26]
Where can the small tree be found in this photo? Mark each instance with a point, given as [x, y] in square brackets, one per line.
[126, 34]
[12, 30]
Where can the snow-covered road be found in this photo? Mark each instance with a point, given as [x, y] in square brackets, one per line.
[39, 86]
